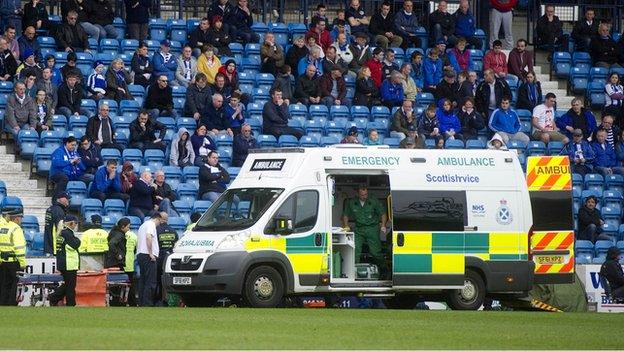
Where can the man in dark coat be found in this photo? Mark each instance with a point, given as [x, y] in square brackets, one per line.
[611, 270]
[275, 117]
[53, 216]
[159, 100]
[143, 133]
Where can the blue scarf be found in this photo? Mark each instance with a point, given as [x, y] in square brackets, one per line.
[119, 77]
[532, 93]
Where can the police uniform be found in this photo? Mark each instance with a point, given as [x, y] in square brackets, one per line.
[12, 257]
[366, 217]
[167, 237]
[131, 244]
[68, 262]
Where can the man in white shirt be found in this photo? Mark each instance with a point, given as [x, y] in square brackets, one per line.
[544, 127]
[147, 253]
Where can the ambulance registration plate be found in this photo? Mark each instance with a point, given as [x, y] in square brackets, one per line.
[181, 280]
[554, 259]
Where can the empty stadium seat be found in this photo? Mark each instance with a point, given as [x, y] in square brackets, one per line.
[114, 207]
[78, 192]
[90, 207]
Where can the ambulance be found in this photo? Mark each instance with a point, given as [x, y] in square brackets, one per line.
[463, 225]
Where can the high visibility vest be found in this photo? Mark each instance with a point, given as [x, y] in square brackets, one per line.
[190, 226]
[94, 240]
[12, 244]
[3, 221]
[131, 244]
[72, 259]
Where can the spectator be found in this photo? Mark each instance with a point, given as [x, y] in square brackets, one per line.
[202, 145]
[35, 15]
[619, 149]
[343, 50]
[412, 140]
[187, 67]
[448, 122]
[376, 66]
[70, 98]
[225, 10]
[331, 60]
[163, 194]
[101, 15]
[296, 52]
[580, 153]
[90, 155]
[71, 36]
[590, 222]
[44, 111]
[67, 166]
[382, 28]
[8, 64]
[231, 77]
[283, 82]
[28, 67]
[271, 55]
[141, 66]
[549, 31]
[235, 112]
[459, 58]
[208, 64]
[314, 59]
[197, 97]
[366, 92]
[604, 50]
[361, 52]
[28, 41]
[71, 68]
[50, 88]
[128, 177]
[20, 110]
[429, 126]
[320, 34]
[275, 117]
[320, 14]
[417, 74]
[115, 257]
[147, 258]
[471, 120]
[10, 35]
[432, 71]
[57, 76]
[465, 25]
[165, 62]
[490, 93]
[356, 17]
[448, 88]
[611, 269]
[614, 97]
[141, 202]
[117, 80]
[219, 38]
[389, 64]
[613, 131]
[333, 88]
[409, 85]
[219, 87]
[159, 99]
[137, 18]
[529, 93]
[243, 142]
[96, 82]
[199, 36]
[215, 118]
[340, 26]
[373, 138]
[577, 117]
[442, 24]
[406, 24]
[100, 129]
[241, 20]
[520, 61]
[143, 133]
[501, 13]
[544, 127]
[107, 183]
[468, 87]
[584, 30]
[605, 162]
[506, 123]
[213, 178]
[182, 153]
[496, 60]
[308, 90]
[403, 118]
[392, 91]
[11, 13]
[351, 137]
[496, 143]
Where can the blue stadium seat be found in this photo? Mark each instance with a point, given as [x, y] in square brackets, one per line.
[110, 154]
[594, 182]
[78, 192]
[154, 158]
[6, 87]
[51, 138]
[536, 148]
[601, 248]
[360, 111]
[308, 141]
[579, 78]
[201, 206]
[297, 29]
[114, 207]
[184, 208]
[380, 111]
[615, 182]
[425, 98]
[584, 251]
[554, 147]
[178, 224]
[28, 141]
[187, 192]
[287, 140]
[3, 189]
[613, 199]
[296, 110]
[225, 155]
[453, 144]
[109, 45]
[46, 42]
[59, 122]
[30, 224]
[329, 140]
[134, 156]
[191, 175]
[90, 207]
[259, 28]
[189, 123]
[42, 159]
[266, 140]
[173, 175]
[129, 45]
[475, 144]
[524, 115]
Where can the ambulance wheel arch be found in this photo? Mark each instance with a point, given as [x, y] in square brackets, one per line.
[275, 260]
[263, 286]
[471, 297]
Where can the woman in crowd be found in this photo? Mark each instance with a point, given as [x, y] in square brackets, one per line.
[529, 93]
[117, 80]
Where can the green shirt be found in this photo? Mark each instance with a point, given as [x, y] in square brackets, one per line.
[368, 214]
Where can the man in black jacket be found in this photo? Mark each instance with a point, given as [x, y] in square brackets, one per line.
[549, 31]
[199, 36]
[240, 22]
[143, 133]
[215, 118]
[213, 178]
[142, 197]
[382, 27]
[611, 270]
[275, 117]
[71, 36]
[589, 222]
[53, 216]
[448, 88]
[584, 30]
[101, 15]
[68, 262]
[197, 97]
[70, 97]
[442, 25]
[307, 90]
[100, 129]
[490, 85]
[164, 196]
[224, 9]
[8, 65]
[604, 50]
[159, 100]
[243, 142]
[137, 18]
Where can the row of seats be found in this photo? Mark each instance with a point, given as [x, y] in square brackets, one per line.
[586, 252]
[598, 183]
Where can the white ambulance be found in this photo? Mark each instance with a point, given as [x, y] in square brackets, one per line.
[462, 224]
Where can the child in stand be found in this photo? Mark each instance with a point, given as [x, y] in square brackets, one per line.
[96, 83]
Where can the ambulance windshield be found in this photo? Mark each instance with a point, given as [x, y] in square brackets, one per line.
[237, 209]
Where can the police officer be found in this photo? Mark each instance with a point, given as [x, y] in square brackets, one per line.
[131, 246]
[67, 261]
[53, 216]
[94, 239]
[12, 255]
[167, 237]
[367, 212]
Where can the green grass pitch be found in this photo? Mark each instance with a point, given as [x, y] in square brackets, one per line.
[241, 328]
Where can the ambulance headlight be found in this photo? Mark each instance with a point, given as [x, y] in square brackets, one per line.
[234, 241]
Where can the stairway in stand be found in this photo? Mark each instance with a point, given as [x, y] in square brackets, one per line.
[552, 85]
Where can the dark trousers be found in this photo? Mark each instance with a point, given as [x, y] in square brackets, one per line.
[147, 280]
[268, 66]
[149, 145]
[137, 31]
[279, 131]
[61, 179]
[96, 194]
[140, 212]
[411, 42]
[160, 269]
[8, 283]
[67, 290]
[132, 301]
[112, 146]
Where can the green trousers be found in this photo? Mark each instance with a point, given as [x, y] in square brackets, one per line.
[369, 235]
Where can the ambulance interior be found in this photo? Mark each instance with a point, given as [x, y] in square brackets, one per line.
[343, 266]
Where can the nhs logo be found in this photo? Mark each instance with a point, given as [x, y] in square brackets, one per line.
[478, 210]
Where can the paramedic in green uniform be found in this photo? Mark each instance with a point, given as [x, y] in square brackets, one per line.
[366, 213]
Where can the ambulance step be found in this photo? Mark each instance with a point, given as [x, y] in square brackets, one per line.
[376, 296]
[367, 284]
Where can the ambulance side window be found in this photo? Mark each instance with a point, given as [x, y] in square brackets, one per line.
[302, 208]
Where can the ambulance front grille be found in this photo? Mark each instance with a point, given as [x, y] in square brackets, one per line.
[191, 265]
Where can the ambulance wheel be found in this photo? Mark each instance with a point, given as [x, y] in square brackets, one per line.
[198, 300]
[263, 287]
[402, 302]
[471, 296]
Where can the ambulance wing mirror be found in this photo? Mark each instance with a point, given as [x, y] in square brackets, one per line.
[283, 225]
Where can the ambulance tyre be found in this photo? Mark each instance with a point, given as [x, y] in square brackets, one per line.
[471, 296]
[263, 287]
[198, 300]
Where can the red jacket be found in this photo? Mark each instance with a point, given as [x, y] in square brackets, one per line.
[496, 62]
[376, 68]
[503, 5]
[323, 39]
[326, 84]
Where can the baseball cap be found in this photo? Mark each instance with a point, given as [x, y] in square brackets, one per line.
[165, 42]
[577, 132]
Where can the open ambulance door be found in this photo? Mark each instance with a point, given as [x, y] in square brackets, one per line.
[551, 239]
